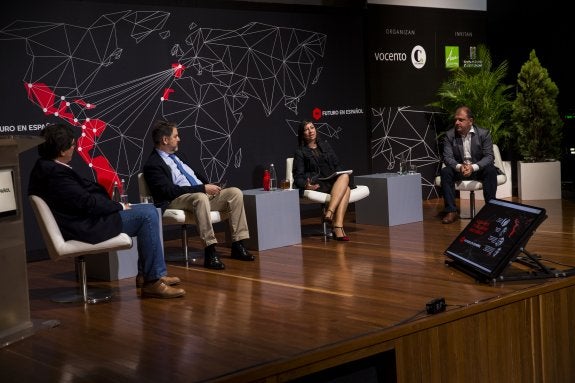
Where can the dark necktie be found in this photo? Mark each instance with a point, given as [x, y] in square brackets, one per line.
[189, 177]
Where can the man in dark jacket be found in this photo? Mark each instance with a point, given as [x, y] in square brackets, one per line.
[175, 185]
[84, 211]
[467, 154]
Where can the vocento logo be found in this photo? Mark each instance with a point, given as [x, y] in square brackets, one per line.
[390, 56]
[418, 57]
[451, 56]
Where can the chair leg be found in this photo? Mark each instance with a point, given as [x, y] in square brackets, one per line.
[184, 256]
[472, 204]
[185, 252]
[83, 293]
[83, 279]
[326, 233]
[185, 243]
[324, 228]
[463, 214]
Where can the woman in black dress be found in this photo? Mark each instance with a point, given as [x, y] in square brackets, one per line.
[314, 159]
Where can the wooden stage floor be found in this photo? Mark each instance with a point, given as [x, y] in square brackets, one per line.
[296, 310]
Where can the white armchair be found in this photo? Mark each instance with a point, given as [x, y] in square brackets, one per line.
[312, 196]
[58, 249]
[473, 185]
[177, 217]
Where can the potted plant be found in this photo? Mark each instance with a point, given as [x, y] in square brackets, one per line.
[483, 90]
[538, 129]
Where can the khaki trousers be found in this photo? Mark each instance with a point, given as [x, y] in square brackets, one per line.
[229, 202]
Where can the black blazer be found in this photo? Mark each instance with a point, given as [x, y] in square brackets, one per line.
[481, 148]
[82, 208]
[305, 164]
[158, 176]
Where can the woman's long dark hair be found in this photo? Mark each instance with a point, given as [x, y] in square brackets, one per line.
[300, 137]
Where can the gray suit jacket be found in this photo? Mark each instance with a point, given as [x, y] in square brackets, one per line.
[481, 148]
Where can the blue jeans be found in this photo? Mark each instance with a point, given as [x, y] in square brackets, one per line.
[142, 221]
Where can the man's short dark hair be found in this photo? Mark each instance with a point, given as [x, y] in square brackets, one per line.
[162, 129]
[466, 109]
[57, 138]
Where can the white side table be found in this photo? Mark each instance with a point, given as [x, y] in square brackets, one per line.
[394, 199]
[273, 218]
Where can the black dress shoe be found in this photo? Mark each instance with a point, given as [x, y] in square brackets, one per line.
[211, 259]
[241, 253]
[214, 263]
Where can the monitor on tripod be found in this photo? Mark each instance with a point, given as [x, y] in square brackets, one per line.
[493, 238]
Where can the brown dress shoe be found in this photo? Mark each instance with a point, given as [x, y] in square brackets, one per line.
[450, 217]
[170, 281]
[160, 289]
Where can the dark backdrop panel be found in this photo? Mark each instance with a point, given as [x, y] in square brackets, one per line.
[514, 29]
[394, 32]
[248, 77]
[406, 60]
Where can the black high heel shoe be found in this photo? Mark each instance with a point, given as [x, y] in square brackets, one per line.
[343, 238]
[327, 216]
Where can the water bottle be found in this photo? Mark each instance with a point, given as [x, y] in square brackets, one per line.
[402, 165]
[266, 180]
[273, 178]
[116, 192]
[123, 192]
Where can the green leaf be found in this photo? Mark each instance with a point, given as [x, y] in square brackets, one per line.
[483, 90]
[537, 124]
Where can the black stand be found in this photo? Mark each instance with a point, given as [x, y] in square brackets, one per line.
[539, 270]
[456, 265]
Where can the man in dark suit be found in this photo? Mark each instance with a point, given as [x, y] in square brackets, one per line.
[175, 185]
[467, 154]
[84, 211]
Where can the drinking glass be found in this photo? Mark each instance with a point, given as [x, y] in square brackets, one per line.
[146, 199]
